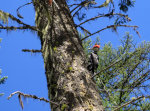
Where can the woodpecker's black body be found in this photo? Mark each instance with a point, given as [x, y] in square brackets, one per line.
[93, 62]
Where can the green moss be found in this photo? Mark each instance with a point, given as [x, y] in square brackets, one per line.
[55, 49]
[70, 68]
[63, 107]
[72, 105]
[64, 87]
[62, 72]
[68, 64]
[91, 107]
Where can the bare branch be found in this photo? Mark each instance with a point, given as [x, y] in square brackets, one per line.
[77, 11]
[18, 14]
[30, 96]
[110, 26]
[85, 30]
[105, 15]
[125, 104]
[32, 50]
[84, 3]
[73, 5]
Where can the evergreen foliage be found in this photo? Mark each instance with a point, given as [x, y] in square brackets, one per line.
[127, 79]
[2, 79]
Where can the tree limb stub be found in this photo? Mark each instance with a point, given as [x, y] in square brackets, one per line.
[32, 50]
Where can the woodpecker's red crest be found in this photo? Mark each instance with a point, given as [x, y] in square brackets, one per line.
[98, 46]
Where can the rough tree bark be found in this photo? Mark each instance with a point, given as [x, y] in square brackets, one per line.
[68, 80]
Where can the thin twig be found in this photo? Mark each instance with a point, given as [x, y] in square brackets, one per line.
[72, 5]
[104, 88]
[77, 11]
[110, 26]
[82, 3]
[18, 14]
[85, 30]
[125, 104]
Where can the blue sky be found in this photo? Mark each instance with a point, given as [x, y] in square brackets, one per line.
[25, 71]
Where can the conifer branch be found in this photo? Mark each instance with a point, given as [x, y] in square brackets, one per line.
[114, 63]
[29, 96]
[127, 103]
[141, 78]
[106, 68]
[110, 26]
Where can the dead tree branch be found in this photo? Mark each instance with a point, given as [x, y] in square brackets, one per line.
[18, 14]
[32, 50]
[77, 6]
[15, 28]
[85, 30]
[29, 96]
[110, 26]
[19, 21]
[81, 5]
[105, 15]
[73, 5]
[84, 3]
[77, 11]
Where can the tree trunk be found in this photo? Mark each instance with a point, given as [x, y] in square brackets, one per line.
[68, 80]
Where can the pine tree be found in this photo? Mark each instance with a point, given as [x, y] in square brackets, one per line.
[124, 74]
[68, 80]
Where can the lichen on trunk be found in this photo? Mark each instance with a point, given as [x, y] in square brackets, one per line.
[68, 80]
